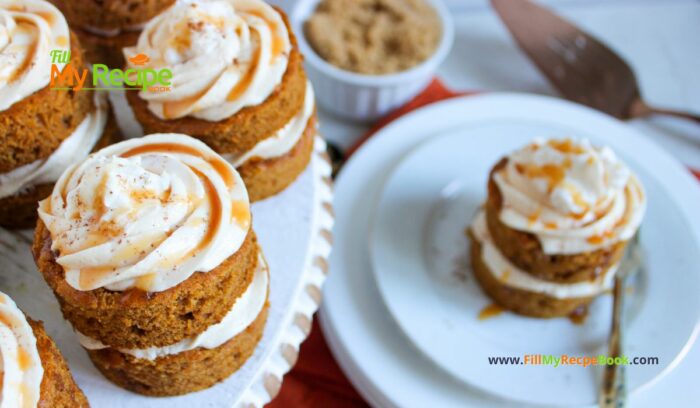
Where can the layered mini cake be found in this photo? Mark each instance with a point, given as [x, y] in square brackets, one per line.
[42, 130]
[554, 227]
[149, 249]
[238, 85]
[105, 27]
[33, 373]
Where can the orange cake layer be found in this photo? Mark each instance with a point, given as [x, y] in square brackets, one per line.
[19, 211]
[34, 127]
[267, 177]
[521, 301]
[184, 372]
[109, 15]
[134, 319]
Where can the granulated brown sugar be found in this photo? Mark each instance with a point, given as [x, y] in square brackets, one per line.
[374, 36]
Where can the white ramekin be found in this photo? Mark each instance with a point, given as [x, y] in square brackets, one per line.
[367, 97]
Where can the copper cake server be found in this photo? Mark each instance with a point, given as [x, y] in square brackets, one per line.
[582, 68]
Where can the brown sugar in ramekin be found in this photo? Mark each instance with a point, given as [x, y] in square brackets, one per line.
[374, 37]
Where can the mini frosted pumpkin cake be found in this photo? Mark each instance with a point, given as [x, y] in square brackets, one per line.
[149, 249]
[34, 373]
[554, 227]
[42, 130]
[238, 85]
[107, 26]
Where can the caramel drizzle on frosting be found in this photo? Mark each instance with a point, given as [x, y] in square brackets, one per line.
[247, 79]
[277, 46]
[566, 146]
[174, 109]
[554, 173]
[22, 372]
[218, 164]
[215, 211]
[100, 212]
[277, 43]
[247, 74]
[240, 213]
[569, 185]
[612, 232]
[27, 61]
[30, 26]
[88, 276]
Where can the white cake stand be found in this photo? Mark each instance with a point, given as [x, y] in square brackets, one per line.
[294, 230]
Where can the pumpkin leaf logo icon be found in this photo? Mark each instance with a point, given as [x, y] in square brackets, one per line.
[139, 59]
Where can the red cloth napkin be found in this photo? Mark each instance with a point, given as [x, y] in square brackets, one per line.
[696, 173]
[316, 381]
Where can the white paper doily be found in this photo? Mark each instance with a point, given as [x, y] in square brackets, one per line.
[294, 230]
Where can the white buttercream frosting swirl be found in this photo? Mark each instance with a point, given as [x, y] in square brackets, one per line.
[29, 31]
[510, 275]
[22, 371]
[146, 213]
[572, 196]
[77, 146]
[244, 311]
[224, 55]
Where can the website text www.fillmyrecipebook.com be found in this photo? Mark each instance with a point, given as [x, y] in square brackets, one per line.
[567, 360]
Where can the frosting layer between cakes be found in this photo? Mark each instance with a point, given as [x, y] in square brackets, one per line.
[225, 55]
[22, 371]
[244, 311]
[572, 196]
[284, 140]
[146, 213]
[510, 275]
[76, 147]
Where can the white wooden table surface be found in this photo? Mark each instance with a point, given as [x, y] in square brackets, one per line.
[659, 38]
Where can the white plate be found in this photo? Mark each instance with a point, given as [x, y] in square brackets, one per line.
[419, 254]
[365, 340]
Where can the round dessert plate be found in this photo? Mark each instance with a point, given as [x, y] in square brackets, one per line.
[418, 251]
